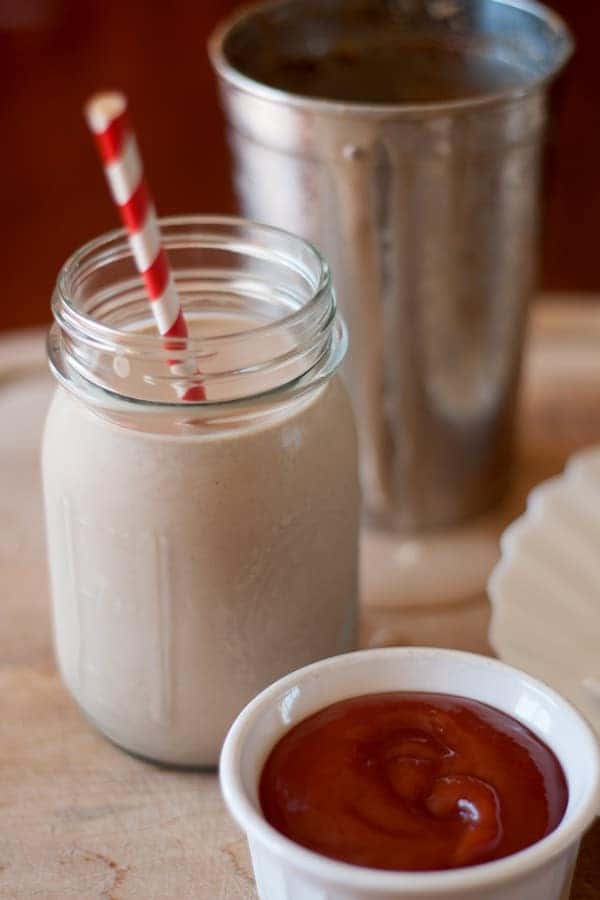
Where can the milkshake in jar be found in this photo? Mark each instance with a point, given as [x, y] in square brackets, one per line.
[197, 551]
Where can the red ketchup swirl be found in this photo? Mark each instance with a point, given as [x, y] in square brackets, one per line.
[412, 781]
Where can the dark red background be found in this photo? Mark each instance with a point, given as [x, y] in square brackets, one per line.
[53, 53]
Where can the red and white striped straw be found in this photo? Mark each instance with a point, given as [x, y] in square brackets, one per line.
[108, 119]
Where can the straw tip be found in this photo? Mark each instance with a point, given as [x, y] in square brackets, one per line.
[103, 108]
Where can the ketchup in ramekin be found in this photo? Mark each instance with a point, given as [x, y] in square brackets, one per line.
[412, 781]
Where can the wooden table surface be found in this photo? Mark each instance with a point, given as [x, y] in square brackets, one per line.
[78, 817]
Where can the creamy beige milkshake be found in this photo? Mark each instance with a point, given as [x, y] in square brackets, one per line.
[198, 553]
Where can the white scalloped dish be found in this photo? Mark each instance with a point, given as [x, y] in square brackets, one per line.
[545, 591]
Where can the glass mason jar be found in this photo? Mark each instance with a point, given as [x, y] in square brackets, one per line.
[197, 551]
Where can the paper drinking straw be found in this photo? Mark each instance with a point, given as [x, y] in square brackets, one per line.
[108, 120]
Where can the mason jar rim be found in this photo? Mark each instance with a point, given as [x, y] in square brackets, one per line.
[118, 236]
[83, 349]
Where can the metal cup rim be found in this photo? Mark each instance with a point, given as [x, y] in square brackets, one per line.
[244, 83]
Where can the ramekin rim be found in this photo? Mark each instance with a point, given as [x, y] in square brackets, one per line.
[568, 831]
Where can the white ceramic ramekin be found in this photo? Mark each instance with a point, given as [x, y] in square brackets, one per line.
[286, 871]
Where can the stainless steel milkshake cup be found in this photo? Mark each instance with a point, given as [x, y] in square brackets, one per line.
[403, 138]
